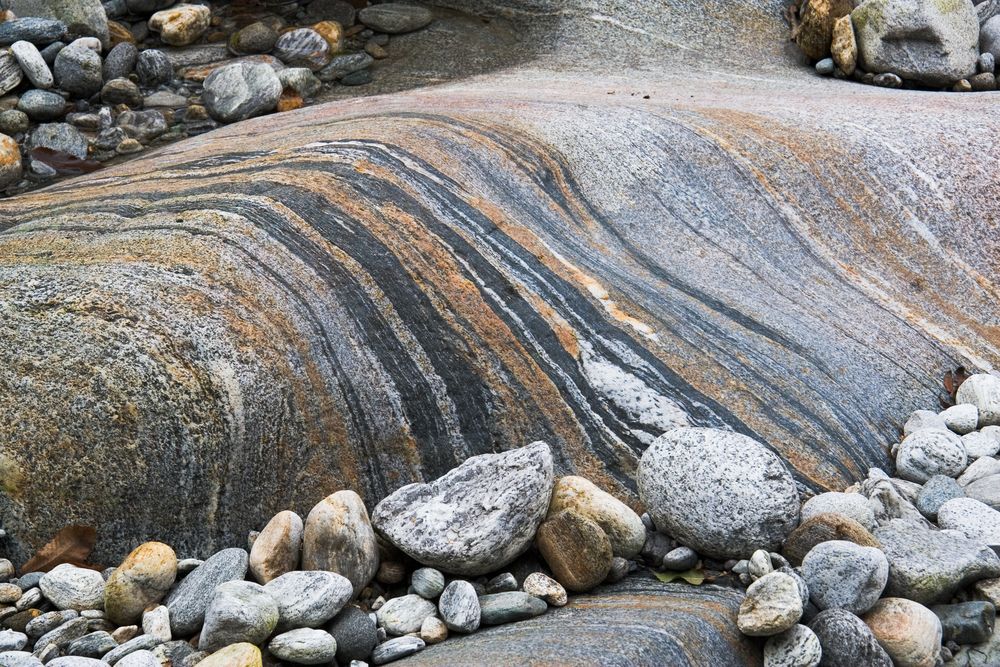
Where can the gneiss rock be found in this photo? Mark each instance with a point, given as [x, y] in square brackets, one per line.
[277, 549]
[153, 68]
[975, 520]
[144, 126]
[34, 66]
[393, 17]
[397, 648]
[622, 525]
[93, 645]
[10, 72]
[935, 43]
[938, 490]
[338, 537]
[847, 641]
[576, 549]
[428, 583]
[930, 452]
[929, 566]
[476, 518]
[38, 31]
[403, 615]
[500, 608]
[355, 633]
[303, 47]
[852, 505]
[721, 493]
[78, 70]
[12, 641]
[239, 611]
[188, 600]
[843, 575]
[81, 17]
[48, 622]
[240, 91]
[343, 65]
[545, 587]
[182, 24]
[308, 599]
[798, 646]
[908, 631]
[772, 605]
[156, 623]
[983, 391]
[140, 643]
[121, 91]
[459, 606]
[304, 646]
[64, 634]
[71, 587]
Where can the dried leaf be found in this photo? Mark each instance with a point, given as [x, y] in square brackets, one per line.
[693, 577]
[952, 381]
[72, 544]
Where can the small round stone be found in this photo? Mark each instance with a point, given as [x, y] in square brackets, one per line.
[10, 162]
[308, 599]
[826, 66]
[852, 505]
[680, 559]
[760, 564]
[120, 61]
[42, 105]
[395, 649]
[403, 615]
[355, 632]
[930, 452]
[433, 630]
[121, 91]
[239, 611]
[277, 549]
[622, 525]
[843, 575]
[938, 490]
[545, 587]
[961, 418]
[71, 587]
[972, 518]
[500, 608]
[983, 391]
[33, 64]
[236, 655]
[303, 47]
[798, 646]
[459, 606]
[576, 549]
[304, 646]
[154, 68]
[772, 605]
[255, 38]
[501, 583]
[981, 443]
[143, 579]
[78, 70]
[182, 24]
[394, 17]
[427, 582]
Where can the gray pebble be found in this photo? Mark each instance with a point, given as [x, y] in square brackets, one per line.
[120, 61]
[304, 646]
[393, 17]
[308, 599]
[239, 611]
[826, 66]
[680, 559]
[42, 105]
[38, 31]
[78, 70]
[427, 583]
[93, 645]
[397, 648]
[154, 68]
[403, 615]
[938, 490]
[31, 61]
[501, 583]
[189, 599]
[500, 608]
[459, 607]
[355, 633]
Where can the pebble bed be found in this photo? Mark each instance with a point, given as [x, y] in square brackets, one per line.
[891, 571]
[84, 82]
[925, 44]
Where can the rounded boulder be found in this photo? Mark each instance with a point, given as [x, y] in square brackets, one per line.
[719, 492]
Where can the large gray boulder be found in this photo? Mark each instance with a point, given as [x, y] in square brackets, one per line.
[929, 566]
[82, 17]
[935, 43]
[478, 517]
[719, 492]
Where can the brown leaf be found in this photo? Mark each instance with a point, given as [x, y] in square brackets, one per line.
[72, 544]
[952, 381]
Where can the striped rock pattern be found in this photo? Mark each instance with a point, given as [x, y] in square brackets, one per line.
[638, 622]
[364, 293]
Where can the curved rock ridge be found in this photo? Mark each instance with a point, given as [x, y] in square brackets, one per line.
[638, 622]
[365, 293]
